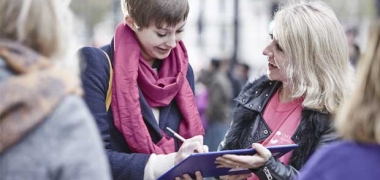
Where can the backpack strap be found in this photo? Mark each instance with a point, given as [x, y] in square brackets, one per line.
[109, 91]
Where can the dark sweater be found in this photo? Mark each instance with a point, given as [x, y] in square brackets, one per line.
[95, 77]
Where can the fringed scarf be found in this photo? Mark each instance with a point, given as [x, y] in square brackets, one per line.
[131, 73]
[31, 94]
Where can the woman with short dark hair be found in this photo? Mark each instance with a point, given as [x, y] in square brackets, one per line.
[146, 85]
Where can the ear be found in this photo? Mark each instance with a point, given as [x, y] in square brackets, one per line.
[131, 23]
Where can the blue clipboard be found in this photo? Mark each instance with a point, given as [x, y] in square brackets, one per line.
[205, 163]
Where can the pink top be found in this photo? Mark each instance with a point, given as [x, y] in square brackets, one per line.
[283, 119]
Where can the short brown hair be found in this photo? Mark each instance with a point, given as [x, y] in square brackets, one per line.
[160, 12]
[359, 117]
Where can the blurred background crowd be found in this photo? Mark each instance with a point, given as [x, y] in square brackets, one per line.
[225, 40]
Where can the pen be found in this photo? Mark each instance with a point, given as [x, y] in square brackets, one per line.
[176, 135]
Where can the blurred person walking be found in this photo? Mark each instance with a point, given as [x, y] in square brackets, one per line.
[46, 130]
[357, 156]
[308, 76]
[219, 102]
[146, 85]
[242, 71]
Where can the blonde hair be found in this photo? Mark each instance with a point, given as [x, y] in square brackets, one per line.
[42, 25]
[317, 53]
[162, 12]
[359, 118]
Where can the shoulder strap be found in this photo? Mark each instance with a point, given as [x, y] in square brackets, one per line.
[109, 91]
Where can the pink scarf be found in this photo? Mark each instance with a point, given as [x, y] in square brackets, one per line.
[131, 73]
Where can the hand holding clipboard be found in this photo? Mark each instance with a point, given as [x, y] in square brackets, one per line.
[247, 161]
[205, 162]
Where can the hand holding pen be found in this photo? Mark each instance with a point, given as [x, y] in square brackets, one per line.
[189, 146]
[176, 134]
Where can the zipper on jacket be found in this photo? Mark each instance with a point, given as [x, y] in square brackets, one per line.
[267, 173]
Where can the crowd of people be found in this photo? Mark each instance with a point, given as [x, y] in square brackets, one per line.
[112, 120]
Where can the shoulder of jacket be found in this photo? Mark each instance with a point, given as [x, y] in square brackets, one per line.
[258, 83]
[92, 56]
[258, 86]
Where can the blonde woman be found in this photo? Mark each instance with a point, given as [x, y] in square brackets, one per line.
[46, 131]
[308, 76]
[358, 122]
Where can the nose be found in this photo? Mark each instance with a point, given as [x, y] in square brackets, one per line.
[172, 41]
[267, 52]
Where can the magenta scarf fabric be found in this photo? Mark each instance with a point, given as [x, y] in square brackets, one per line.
[131, 73]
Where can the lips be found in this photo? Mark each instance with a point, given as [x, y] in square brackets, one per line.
[163, 50]
[272, 65]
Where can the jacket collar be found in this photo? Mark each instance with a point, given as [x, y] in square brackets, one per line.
[255, 95]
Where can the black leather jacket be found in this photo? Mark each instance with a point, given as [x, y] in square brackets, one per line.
[248, 126]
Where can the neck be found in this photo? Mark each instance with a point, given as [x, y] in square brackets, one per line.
[285, 94]
[150, 62]
[148, 59]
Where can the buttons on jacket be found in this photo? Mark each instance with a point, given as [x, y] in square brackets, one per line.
[265, 132]
[255, 98]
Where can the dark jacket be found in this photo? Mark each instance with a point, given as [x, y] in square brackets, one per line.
[249, 126]
[95, 77]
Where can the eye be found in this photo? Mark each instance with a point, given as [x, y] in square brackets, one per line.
[278, 47]
[161, 35]
[179, 31]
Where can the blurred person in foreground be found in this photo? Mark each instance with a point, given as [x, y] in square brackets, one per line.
[308, 76]
[146, 85]
[46, 130]
[357, 156]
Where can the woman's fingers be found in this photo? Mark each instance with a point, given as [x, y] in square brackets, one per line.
[194, 144]
[187, 177]
[198, 176]
[205, 148]
[246, 161]
[236, 177]
[227, 161]
[240, 177]
[243, 161]
[262, 151]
